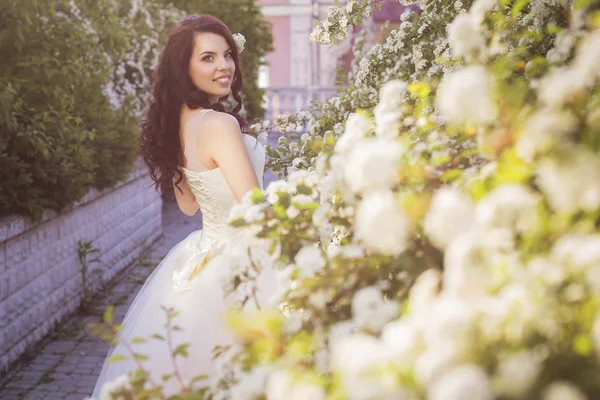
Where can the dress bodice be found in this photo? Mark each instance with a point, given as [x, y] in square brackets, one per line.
[213, 194]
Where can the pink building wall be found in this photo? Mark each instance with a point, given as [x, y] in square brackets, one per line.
[279, 59]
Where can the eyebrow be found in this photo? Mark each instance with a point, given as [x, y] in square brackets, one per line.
[212, 52]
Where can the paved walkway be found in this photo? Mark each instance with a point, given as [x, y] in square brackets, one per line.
[66, 365]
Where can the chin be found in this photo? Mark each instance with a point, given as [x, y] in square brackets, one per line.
[223, 94]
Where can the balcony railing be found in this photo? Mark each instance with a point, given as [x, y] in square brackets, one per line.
[290, 100]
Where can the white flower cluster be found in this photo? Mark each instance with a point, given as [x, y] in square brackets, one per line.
[465, 96]
[339, 21]
[435, 339]
[465, 33]
[130, 80]
[240, 41]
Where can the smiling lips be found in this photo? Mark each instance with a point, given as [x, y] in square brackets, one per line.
[224, 80]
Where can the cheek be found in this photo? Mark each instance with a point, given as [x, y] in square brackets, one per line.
[198, 73]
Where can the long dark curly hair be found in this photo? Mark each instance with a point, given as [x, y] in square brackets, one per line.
[172, 87]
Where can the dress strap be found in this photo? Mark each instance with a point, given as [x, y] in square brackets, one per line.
[189, 147]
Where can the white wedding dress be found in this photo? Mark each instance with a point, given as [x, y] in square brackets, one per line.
[199, 301]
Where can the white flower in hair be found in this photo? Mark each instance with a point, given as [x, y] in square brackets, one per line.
[240, 41]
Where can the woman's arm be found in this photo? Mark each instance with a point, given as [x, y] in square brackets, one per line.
[222, 138]
[185, 198]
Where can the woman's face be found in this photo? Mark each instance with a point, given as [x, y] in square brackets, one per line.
[211, 65]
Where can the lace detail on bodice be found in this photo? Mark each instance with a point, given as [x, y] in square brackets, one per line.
[214, 196]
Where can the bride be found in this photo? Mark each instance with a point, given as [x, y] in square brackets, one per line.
[196, 151]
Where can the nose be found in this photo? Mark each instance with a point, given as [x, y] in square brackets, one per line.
[223, 64]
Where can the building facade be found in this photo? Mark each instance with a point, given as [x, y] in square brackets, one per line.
[296, 61]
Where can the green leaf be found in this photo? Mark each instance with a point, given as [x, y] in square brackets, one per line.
[138, 340]
[306, 206]
[108, 316]
[582, 345]
[451, 174]
[238, 222]
[512, 169]
[304, 189]
[158, 337]
[117, 358]
[419, 89]
[518, 7]
[181, 350]
[594, 20]
[141, 357]
[280, 211]
[257, 196]
[199, 378]
[578, 4]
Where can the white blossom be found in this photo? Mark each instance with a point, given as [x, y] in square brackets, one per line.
[372, 164]
[370, 311]
[464, 382]
[464, 36]
[355, 357]
[357, 127]
[115, 389]
[469, 259]
[480, 7]
[309, 260]
[516, 374]
[319, 299]
[466, 96]
[450, 214]
[251, 385]
[254, 213]
[381, 224]
[588, 57]
[545, 129]
[578, 250]
[402, 338]
[424, 290]
[562, 391]
[571, 181]
[560, 86]
[388, 110]
[511, 206]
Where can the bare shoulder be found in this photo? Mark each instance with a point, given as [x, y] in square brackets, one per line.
[218, 122]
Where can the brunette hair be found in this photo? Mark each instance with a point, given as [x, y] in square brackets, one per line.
[172, 87]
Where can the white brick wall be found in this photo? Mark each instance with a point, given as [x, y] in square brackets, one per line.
[40, 274]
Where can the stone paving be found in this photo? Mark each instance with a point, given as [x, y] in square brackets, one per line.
[66, 364]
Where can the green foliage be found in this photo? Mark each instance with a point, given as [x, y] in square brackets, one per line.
[59, 134]
[245, 17]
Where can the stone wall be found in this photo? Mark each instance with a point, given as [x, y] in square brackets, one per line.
[40, 272]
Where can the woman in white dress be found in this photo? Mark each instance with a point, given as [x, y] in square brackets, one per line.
[196, 151]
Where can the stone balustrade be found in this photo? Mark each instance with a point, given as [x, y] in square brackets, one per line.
[290, 100]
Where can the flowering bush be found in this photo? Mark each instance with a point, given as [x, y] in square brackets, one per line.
[436, 229]
[147, 23]
[436, 233]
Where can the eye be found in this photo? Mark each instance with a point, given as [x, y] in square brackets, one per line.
[228, 55]
[207, 58]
